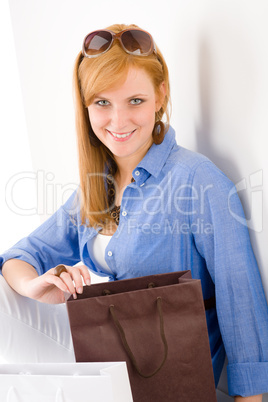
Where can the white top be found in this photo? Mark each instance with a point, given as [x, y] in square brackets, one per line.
[96, 248]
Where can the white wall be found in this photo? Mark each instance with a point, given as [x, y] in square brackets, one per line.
[14, 145]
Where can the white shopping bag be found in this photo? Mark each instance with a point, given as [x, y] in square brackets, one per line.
[65, 382]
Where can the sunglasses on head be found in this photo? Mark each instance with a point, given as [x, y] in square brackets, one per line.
[133, 41]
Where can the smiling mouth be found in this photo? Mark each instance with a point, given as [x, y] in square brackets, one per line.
[121, 136]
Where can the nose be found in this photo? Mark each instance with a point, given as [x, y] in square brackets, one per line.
[119, 119]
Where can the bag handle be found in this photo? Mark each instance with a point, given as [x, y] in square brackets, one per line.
[127, 347]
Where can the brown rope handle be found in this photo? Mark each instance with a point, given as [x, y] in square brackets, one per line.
[127, 347]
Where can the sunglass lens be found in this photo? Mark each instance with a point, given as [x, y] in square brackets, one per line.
[97, 42]
[137, 42]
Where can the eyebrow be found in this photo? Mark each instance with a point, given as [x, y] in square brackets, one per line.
[100, 96]
[137, 96]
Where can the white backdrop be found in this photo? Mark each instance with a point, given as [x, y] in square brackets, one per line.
[218, 60]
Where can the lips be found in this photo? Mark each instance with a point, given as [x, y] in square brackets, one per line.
[121, 136]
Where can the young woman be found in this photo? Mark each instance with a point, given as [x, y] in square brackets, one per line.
[144, 206]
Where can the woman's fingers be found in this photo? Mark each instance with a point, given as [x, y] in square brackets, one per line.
[67, 278]
[85, 274]
[72, 280]
[78, 274]
[77, 279]
[54, 280]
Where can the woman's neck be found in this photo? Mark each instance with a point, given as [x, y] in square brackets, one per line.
[123, 176]
[126, 165]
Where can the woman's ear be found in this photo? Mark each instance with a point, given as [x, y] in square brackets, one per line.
[160, 96]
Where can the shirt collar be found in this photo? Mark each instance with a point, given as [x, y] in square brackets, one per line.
[156, 157]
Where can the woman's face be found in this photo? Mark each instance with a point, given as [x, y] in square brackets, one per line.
[123, 118]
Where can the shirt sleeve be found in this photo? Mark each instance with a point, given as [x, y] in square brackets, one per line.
[52, 243]
[240, 300]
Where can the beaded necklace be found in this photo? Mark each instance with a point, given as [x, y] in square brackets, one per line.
[115, 211]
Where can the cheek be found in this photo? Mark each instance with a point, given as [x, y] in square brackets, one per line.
[96, 119]
[146, 116]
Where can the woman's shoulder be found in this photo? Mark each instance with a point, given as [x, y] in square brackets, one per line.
[176, 156]
[194, 166]
[186, 159]
[71, 207]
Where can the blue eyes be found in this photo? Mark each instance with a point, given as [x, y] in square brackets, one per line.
[102, 103]
[135, 101]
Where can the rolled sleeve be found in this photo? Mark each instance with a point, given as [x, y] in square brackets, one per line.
[241, 304]
[247, 379]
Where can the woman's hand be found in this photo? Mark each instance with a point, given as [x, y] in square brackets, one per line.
[46, 288]
[256, 398]
[49, 288]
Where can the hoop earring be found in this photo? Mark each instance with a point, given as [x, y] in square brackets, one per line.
[94, 141]
[159, 132]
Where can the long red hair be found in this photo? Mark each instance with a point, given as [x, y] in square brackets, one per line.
[92, 76]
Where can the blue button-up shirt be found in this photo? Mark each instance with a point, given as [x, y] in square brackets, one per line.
[181, 213]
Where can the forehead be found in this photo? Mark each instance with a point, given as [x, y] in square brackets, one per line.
[137, 81]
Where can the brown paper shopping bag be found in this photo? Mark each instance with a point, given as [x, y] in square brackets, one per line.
[157, 325]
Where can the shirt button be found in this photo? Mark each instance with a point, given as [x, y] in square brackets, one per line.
[110, 253]
[142, 185]
[137, 173]
[124, 213]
